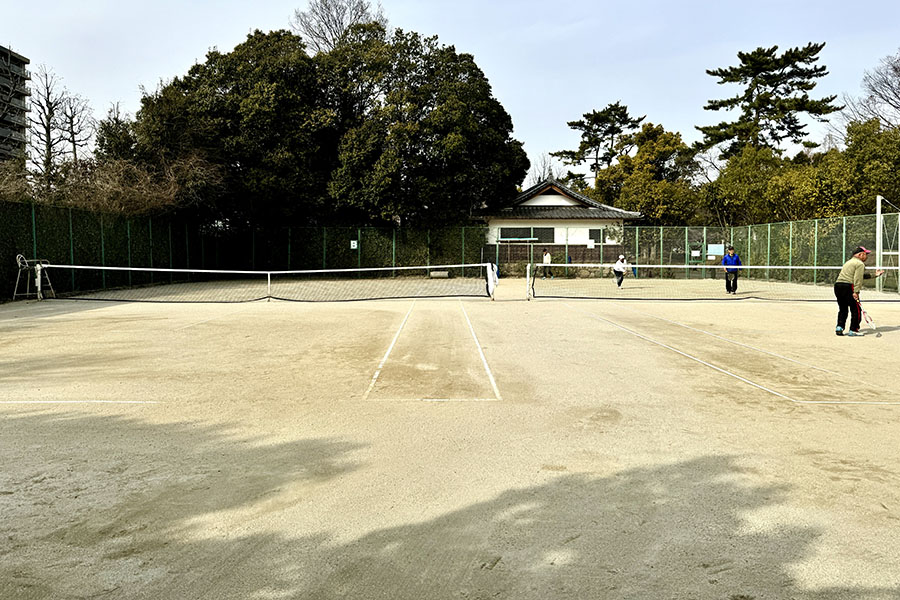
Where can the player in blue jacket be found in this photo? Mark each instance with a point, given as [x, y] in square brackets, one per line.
[730, 262]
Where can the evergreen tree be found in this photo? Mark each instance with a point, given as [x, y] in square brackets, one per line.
[775, 93]
[601, 134]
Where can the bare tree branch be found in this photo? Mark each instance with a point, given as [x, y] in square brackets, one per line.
[880, 98]
[325, 22]
[77, 123]
[47, 143]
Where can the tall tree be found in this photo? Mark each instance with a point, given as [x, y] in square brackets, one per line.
[775, 93]
[77, 124]
[601, 134]
[47, 142]
[115, 136]
[657, 178]
[256, 111]
[436, 147]
[325, 23]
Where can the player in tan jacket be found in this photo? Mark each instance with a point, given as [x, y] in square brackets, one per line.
[846, 290]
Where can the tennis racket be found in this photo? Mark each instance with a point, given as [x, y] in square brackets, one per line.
[869, 321]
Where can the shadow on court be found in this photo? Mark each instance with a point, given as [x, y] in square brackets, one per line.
[96, 506]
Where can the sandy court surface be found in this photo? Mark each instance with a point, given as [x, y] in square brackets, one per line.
[448, 448]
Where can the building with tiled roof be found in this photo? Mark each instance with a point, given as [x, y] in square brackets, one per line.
[551, 213]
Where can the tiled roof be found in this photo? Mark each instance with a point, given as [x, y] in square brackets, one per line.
[563, 212]
[590, 209]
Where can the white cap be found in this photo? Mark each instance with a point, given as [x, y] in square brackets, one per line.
[621, 256]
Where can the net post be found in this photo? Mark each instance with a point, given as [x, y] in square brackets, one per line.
[879, 244]
[38, 267]
[268, 286]
[528, 281]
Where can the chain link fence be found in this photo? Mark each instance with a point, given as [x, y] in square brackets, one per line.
[70, 236]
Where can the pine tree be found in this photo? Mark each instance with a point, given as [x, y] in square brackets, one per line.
[776, 92]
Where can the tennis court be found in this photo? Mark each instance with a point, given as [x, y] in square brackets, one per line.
[448, 448]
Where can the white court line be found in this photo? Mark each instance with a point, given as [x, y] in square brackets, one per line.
[724, 339]
[487, 369]
[723, 371]
[79, 402]
[388, 353]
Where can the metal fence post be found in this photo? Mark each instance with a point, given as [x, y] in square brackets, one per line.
[790, 249]
[128, 234]
[324, 243]
[704, 254]
[102, 253]
[33, 233]
[816, 252]
[71, 248]
[844, 241]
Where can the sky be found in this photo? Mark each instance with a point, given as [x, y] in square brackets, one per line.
[548, 62]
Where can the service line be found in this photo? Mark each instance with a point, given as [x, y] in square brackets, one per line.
[721, 370]
[388, 353]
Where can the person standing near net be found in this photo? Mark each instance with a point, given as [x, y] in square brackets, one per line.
[730, 264]
[619, 269]
[548, 272]
[846, 290]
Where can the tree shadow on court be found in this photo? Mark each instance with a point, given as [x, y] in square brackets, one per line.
[215, 521]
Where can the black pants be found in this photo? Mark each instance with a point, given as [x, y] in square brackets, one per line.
[620, 275]
[847, 303]
[548, 272]
[731, 282]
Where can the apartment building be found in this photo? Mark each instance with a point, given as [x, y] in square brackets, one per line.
[14, 103]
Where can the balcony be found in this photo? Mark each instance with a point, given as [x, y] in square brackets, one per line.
[10, 134]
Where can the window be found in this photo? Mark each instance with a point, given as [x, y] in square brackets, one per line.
[596, 235]
[544, 235]
[541, 235]
[509, 233]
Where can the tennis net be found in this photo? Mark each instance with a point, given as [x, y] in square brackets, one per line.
[698, 282]
[132, 284]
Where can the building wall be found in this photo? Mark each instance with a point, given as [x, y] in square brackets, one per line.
[575, 232]
[550, 200]
[14, 94]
